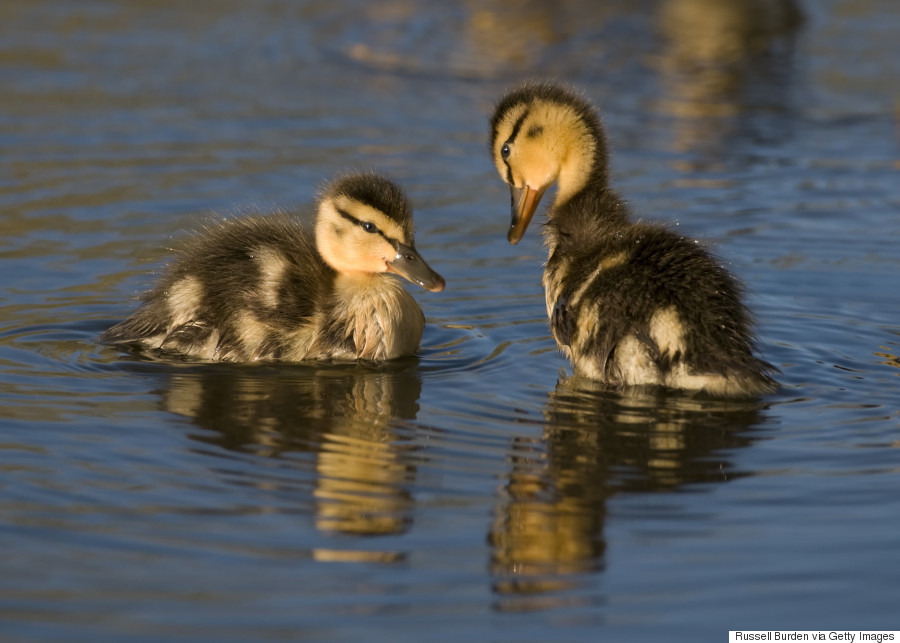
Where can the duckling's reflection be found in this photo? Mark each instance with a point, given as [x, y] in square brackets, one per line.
[401, 28]
[548, 524]
[345, 416]
[479, 38]
[723, 58]
[887, 353]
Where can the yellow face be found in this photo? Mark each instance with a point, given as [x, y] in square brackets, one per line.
[355, 238]
[523, 152]
[536, 144]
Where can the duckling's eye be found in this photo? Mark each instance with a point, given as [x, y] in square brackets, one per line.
[504, 151]
[369, 227]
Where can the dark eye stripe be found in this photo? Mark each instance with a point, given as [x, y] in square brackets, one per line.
[364, 225]
[517, 126]
[512, 137]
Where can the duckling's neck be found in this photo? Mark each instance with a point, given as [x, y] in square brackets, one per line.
[586, 220]
[361, 291]
[576, 173]
[580, 150]
[586, 210]
[585, 206]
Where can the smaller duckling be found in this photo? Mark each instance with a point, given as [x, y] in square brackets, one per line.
[262, 288]
[630, 304]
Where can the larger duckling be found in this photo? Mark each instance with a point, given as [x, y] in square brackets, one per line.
[630, 304]
[262, 288]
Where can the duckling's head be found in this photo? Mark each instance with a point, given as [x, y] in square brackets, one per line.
[543, 133]
[364, 226]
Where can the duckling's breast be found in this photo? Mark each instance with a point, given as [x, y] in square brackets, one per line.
[372, 318]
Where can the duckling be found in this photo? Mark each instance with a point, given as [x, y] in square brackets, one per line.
[262, 288]
[630, 303]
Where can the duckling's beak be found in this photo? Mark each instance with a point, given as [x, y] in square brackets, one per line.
[524, 202]
[409, 264]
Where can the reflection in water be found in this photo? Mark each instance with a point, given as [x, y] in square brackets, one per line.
[509, 34]
[723, 56]
[491, 36]
[481, 38]
[548, 525]
[344, 416]
[547, 528]
[888, 352]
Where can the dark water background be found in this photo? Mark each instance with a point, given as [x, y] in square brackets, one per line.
[478, 492]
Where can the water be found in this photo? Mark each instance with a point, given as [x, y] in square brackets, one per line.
[477, 492]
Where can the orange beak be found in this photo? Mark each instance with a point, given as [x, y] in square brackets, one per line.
[525, 201]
